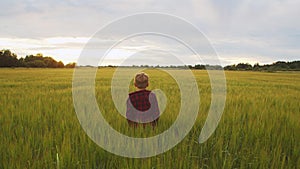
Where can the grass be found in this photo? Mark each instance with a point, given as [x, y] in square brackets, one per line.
[259, 128]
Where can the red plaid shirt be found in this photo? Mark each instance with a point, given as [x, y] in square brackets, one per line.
[142, 107]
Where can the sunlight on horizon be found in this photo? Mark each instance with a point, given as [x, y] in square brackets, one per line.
[68, 49]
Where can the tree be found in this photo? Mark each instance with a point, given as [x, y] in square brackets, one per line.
[39, 61]
[60, 64]
[50, 62]
[295, 65]
[71, 65]
[280, 65]
[201, 67]
[244, 66]
[230, 67]
[8, 59]
[36, 63]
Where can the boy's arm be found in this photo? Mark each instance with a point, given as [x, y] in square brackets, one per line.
[129, 114]
[156, 112]
[156, 107]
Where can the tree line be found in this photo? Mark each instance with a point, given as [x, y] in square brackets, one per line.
[277, 66]
[9, 59]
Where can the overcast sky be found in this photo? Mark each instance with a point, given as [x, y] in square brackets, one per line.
[250, 31]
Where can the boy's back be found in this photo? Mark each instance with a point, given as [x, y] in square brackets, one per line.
[140, 99]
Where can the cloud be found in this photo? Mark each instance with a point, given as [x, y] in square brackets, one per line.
[238, 29]
[66, 49]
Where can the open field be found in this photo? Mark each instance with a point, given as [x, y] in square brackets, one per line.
[259, 128]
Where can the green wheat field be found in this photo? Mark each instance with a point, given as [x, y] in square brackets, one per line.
[260, 126]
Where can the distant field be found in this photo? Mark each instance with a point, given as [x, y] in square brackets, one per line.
[260, 126]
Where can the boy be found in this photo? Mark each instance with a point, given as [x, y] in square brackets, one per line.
[142, 106]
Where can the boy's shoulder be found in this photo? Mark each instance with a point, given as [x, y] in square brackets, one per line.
[140, 92]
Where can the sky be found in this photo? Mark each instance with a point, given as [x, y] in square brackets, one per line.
[247, 31]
